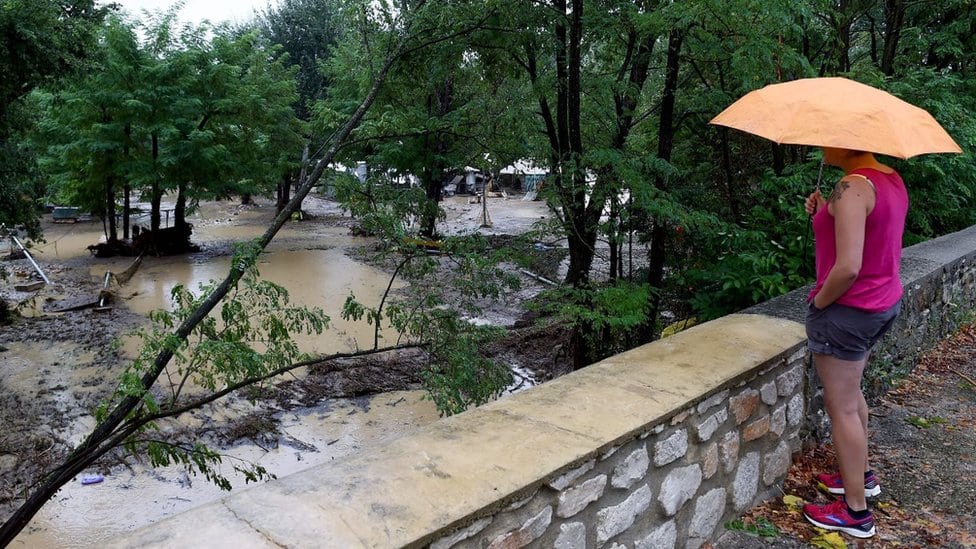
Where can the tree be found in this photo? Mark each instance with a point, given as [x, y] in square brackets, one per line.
[88, 129]
[43, 42]
[200, 118]
[236, 103]
[307, 31]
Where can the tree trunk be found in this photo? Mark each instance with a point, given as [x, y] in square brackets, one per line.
[613, 236]
[894, 11]
[126, 188]
[156, 194]
[727, 174]
[179, 213]
[842, 26]
[440, 102]
[283, 193]
[111, 232]
[665, 144]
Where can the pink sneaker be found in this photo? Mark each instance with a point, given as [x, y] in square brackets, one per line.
[835, 516]
[835, 485]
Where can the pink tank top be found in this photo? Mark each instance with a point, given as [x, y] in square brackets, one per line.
[877, 287]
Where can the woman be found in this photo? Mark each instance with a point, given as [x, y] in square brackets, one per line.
[856, 299]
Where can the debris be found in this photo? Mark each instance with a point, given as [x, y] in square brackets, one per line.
[91, 479]
[29, 287]
[538, 277]
[27, 254]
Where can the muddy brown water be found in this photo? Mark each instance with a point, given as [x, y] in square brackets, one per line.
[312, 264]
[310, 260]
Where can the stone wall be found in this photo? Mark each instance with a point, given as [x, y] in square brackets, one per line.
[656, 447]
[673, 485]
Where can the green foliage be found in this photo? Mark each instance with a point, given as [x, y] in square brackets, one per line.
[247, 342]
[42, 43]
[763, 527]
[201, 114]
[307, 31]
[437, 311]
[457, 376]
[446, 291]
[768, 255]
[925, 422]
[610, 313]
[615, 308]
[942, 188]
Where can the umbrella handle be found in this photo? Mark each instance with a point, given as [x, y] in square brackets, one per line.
[820, 174]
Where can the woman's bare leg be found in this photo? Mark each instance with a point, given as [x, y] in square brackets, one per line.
[847, 408]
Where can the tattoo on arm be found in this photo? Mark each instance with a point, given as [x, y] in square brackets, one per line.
[839, 190]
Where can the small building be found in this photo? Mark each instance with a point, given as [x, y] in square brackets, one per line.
[523, 175]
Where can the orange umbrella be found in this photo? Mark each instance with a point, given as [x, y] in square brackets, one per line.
[837, 112]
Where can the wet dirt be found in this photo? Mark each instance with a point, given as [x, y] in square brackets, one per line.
[56, 367]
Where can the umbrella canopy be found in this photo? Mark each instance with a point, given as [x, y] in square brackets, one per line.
[837, 112]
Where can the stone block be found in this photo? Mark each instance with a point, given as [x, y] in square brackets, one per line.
[755, 429]
[712, 401]
[711, 424]
[709, 510]
[461, 535]
[679, 487]
[680, 417]
[768, 393]
[746, 482]
[777, 463]
[798, 355]
[529, 532]
[571, 536]
[777, 420]
[576, 498]
[710, 461]
[664, 537]
[729, 449]
[671, 448]
[618, 518]
[743, 405]
[566, 479]
[787, 382]
[631, 469]
[794, 410]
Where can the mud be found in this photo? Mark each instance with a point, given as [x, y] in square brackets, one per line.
[56, 367]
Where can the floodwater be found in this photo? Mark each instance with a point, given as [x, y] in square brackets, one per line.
[89, 515]
[313, 278]
[310, 261]
[312, 264]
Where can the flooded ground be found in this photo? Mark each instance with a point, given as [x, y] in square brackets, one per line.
[88, 515]
[56, 368]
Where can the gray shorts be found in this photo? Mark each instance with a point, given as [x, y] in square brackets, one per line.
[846, 332]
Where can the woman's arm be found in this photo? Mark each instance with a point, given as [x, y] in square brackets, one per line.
[850, 203]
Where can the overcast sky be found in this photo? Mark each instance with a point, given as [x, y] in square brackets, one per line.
[196, 11]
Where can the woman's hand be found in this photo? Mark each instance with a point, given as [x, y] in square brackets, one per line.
[814, 202]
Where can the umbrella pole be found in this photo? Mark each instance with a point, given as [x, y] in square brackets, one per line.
[820, 173]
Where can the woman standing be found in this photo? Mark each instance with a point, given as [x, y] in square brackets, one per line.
[856, 299]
